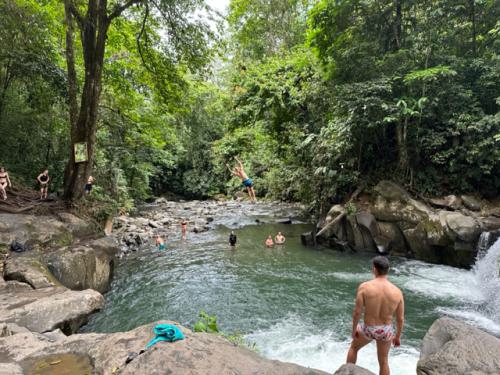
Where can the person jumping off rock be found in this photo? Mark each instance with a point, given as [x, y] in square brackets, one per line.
[245, 180]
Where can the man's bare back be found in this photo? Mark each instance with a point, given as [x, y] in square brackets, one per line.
[377, 301]
[381, 300]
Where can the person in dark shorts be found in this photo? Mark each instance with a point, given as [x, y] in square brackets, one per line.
[89, 184]
[232, 239]
[43, 179]
[245, 180]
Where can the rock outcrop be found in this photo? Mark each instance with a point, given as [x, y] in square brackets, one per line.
[82, 267]
[350, 369]
[442, 231]
[126, 353]
[31, 269]
[453, 347]
[46, 309]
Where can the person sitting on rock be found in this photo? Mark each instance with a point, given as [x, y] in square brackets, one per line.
[239, 171]
[4, 182]
[43, 179]
[269, 241]
[279, 239]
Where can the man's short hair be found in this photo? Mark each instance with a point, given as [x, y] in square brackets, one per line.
[381, 264]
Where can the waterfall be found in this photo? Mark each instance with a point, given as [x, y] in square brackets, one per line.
[487, 273]
[486, 240]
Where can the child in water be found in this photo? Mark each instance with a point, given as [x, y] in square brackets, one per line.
[269, 241]
[160, 243]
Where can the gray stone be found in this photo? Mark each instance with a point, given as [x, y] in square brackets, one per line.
[466, 228]
[10, 369]
[77, 226]
[197, 354]
[452, 347]
[29, 268]
[350, 369]
[391, 191]
[46, 309]
[82, 267]
[472, 203]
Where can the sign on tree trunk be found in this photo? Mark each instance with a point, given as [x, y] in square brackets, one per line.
[81, 154]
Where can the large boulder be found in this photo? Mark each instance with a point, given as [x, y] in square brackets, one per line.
[350, 369]
[82, 267]
[465, 228]
[29, 268]
[46, 309]
[453, 347]
[471, 202]
[125, 353]
[75, 225]
[35, 230]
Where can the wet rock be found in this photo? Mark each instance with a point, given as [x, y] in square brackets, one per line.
[452, 347]
[391, 191]
[350, 369]
[46, 309]
[9, 329]
[451, 202]
[307, 239]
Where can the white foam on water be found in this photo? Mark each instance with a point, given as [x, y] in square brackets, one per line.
[474, 318]
[438, 281]
[300, 341]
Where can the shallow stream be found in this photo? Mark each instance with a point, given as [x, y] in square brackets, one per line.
[293, 302]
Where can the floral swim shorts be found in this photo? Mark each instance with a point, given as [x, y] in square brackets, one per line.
[379, 333]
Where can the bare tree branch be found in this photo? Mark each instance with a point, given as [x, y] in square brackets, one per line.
[119, 9]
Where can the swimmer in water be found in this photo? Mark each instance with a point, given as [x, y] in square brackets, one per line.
[279, 239]
[269, 241]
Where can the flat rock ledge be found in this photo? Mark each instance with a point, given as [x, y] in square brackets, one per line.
[452, 347]
[43, 310]
[106, 354]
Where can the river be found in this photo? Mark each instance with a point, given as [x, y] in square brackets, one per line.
[293, 302]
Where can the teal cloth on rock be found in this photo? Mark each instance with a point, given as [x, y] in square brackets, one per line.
[165, 332]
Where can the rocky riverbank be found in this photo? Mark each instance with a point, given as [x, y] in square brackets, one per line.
[389, 220]
[164, 217]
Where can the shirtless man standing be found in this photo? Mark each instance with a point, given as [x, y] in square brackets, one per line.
[245, 180]
[380, 300]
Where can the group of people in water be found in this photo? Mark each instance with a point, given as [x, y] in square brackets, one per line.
[42, 180]
[279, 239]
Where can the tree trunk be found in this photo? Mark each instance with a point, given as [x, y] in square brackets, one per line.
[398, 25]
[473, 21]
[93, 30]
[401, 141]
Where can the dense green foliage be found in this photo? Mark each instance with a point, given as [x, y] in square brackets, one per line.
[315, 97]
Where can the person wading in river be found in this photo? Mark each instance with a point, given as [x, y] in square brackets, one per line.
[245, 180]
[380, 300]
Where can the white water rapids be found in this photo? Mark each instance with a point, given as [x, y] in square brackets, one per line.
[476, 296]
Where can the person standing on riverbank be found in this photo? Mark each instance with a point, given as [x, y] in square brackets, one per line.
[380, 300]
[245, 180]
[43, 179]
[4, 182]
[89, 185]
[184, 224]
